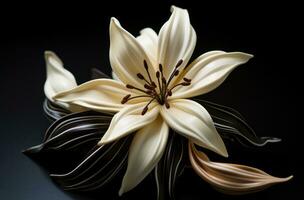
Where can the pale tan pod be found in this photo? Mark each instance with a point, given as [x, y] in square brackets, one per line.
[230, 178]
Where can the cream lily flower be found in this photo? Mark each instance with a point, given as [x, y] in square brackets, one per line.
[58, 79]
[152, 82]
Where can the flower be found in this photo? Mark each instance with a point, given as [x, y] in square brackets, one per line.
[149, 95]
[58, 78]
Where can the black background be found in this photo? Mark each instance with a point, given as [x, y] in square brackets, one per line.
[266, 90]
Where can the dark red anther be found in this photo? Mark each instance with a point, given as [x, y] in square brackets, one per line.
[125, 99]
[179, 63]
[153, 84]
[169, 93]
[187, 80]
[150, 92]
[144, 110]
[167, 104]
[148, 87]
[176, 73]
[146, 65]
[130, 86]
[157, 74]
[185, 83]
[140, 76]
[164, 80]
[160, 67]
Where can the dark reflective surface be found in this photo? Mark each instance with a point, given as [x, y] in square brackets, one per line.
[265, 90]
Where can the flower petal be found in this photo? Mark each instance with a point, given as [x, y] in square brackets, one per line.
[98, 94]
[127, 55]
[146, 150]
[149, 40]
[208, 71]
[128, 120]
[58, 78]
[193, 121]
[177, 40]
[115, 77]
[230, 178]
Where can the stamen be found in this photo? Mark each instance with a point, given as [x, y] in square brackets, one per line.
[158, 81]
[150, 92]
[140, 76]
[139, 96]
[164, 80]
[175, 71]
[128, 98]
[161, 95]
[130, 86]
[179, 63]
[182, 84]
[161, 68]
[135, 88]
[185, 83]
[164, 87]
[147, 107]
[148, 87]
[169, 93]
[167, 104]
[144, 110]
[146, 65]
[187, 80]
[125, 99]
[147, 70]
[153, 84]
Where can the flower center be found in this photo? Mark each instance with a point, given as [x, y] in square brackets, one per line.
[157, 92]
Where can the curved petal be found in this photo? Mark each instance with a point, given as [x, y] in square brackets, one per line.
[192, 120]
[128, 120]
[115, 77]
[149, 40]
[127, 55]
[98, 94]
[230, 178]
[207, 72]
[145, 151]
[58, 78]
[177, 40]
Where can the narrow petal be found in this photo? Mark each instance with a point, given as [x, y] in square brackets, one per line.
[230, 178]
[193, 121]
[98, 94]
[177, 40]
[127, 55]
[128, 120]
[145, 151]
[208, 71]
[58, 78]
[149, 41]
